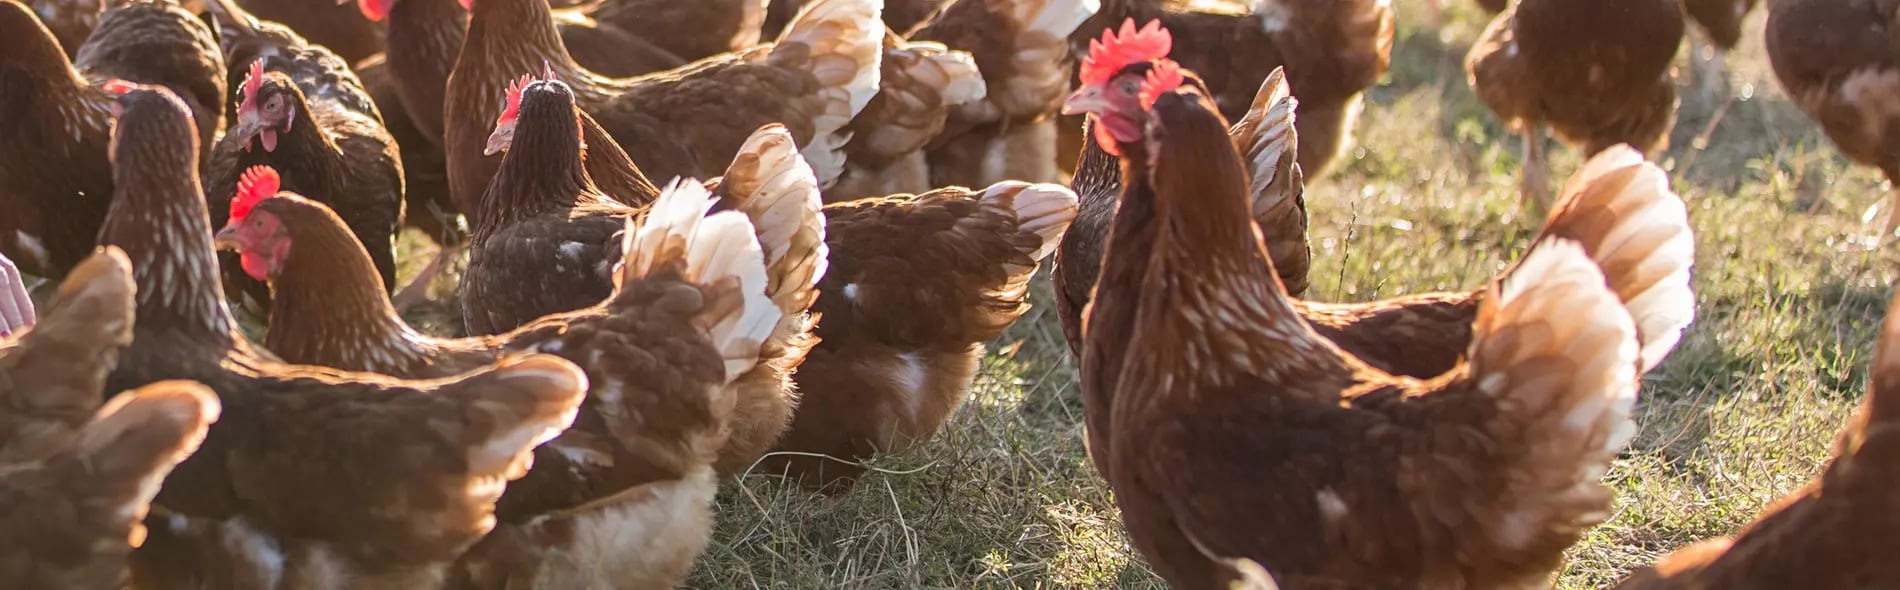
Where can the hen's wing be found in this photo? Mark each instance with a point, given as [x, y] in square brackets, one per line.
[70, 520]
[1267, 140]
[919, 85]
[541, 265]
[440, 459]
[52, 377]
[944, 266]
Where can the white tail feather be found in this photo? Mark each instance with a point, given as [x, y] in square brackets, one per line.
[779, 193]
[1042, 209]
[845, 43]
[1637, 230]
[719, 247]
[1557, 351]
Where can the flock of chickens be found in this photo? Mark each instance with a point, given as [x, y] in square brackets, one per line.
[811, 283]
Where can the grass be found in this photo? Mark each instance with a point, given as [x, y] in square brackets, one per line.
[1790, 291]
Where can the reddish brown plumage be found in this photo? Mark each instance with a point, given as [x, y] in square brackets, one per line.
[683, 122]
[1833, 532]
[57, 181]
[1233, 420]
[299, 451]
[324, 147]
[70, 518]
[917, 284]
[547, 217]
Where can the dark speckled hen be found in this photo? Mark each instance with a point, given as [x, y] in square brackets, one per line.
[1834, 532]
[1596, 72]
[277, 490]
[1840, 61]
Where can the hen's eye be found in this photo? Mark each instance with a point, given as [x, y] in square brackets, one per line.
[1130, 87]
[274, 104]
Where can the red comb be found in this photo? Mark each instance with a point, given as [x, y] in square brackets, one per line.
[253, 81]
[514, 99]
[1113, 52]
[258, 183]
[1162, 79]
[117, 87]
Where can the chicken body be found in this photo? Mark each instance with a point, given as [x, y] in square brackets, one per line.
[315, 321]
[1840, 63]
[818, 76]
[1233, 419]
[918, 86]
[57, 184]
[1333, 50]
[690, 30]
[1021, 47]
[280, 483]
[1832, 532]
[917, 284]
[1596, 73]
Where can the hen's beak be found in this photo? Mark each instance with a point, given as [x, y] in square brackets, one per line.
[226, 239]
[499, 140]
[1086, 100]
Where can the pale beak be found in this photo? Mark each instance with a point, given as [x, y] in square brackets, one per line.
[226, 239]
[1086, 100]
[499, 140]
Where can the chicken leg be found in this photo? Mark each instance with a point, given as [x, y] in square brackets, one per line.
[16, 306]
[1534, 177]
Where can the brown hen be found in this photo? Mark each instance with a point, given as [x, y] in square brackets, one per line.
[53, 376]
[1595, 71]
[682, 122]
[70, 518]
[916, 285]
[277, 492]
[1833, 532]
[326, 315]
[1240, 431]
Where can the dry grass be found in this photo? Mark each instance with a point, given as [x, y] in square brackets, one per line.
[1743, 412]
